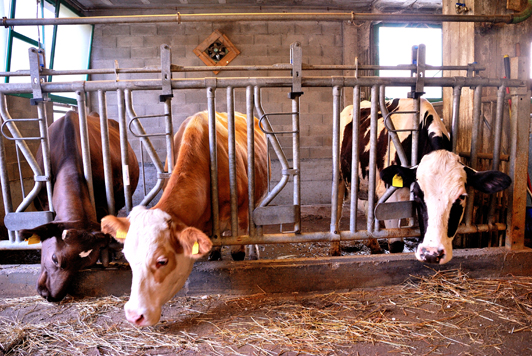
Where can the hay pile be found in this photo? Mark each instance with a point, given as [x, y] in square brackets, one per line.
[446, 311]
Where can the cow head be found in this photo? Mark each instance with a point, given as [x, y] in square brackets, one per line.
[440, 183]
[161, 253]
[64, 252]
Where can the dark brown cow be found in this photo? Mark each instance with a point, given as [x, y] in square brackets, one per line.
[73, 240]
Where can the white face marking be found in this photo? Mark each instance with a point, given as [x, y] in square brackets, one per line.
[85, 254]
[65, 232]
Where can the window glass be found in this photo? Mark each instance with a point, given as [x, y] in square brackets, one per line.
[72, 49]
[48, 32]
[28, 9]
[20, 60]
[395, 47]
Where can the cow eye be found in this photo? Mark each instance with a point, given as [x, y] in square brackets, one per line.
[462, 197]
[54, 260]
[161, 263]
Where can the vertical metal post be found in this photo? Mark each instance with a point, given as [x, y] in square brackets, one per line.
[372, 157]
[475, 130]
[251, 157]
[232, 160]
[355, 159]
[497, 139]
[85, 145]
[4, 178]
[455, 120]
[124, 154]
[107, 169]
[415, 132]
[169, 130]
[45, 149]
[214, 162]
[296, 161]
[335, 229]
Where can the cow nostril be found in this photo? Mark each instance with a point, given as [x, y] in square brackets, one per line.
[139, 319]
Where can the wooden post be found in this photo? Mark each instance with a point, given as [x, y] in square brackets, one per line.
[518, 169]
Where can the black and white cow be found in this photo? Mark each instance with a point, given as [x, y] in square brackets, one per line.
[440, 179]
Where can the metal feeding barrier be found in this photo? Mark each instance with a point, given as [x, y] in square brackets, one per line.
[264, 213]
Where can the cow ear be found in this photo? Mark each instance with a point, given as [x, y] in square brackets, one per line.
[44, 231]
[116, 227]
[398, 176]
[487, 181]
[194, 242]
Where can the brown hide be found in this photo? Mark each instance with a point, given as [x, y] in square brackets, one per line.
[73, 241]
[187, 195]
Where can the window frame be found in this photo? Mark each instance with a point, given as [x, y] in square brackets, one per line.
[376, 43]
[12, 33]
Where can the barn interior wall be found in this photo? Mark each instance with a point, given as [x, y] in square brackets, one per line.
[138, 45]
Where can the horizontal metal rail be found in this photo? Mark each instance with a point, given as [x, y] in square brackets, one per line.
[345, 235]
[235, 17]
[281, 66]
[309, 81]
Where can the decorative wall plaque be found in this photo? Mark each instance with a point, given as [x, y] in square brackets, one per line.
[216, 50]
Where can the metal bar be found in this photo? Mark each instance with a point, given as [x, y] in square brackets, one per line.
[475, 130]
[279, 66]
[497, 141]
[213, 163]
[334, 229]
[46, 157]
[251, 158]
[107, 169]
[372, 158]
[85, 145]
[355, 159]
[296, 160]
[310, 81]
[457, 90]
[415, 132]
[235, 17]
[391, 128]
[169, 133]
[232, 161]
[345, 235]
[4, 178]
[145, 140]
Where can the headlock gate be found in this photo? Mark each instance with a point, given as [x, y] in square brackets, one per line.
[265, 214]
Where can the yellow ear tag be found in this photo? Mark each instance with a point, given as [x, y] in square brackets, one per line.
[195, 248]
[121, 234]
[33, 239]
[397, 181]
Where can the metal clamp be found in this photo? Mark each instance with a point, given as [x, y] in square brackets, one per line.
[11, 138]
[166, 73]
[392, 129]
[296, 59]
[37, 64]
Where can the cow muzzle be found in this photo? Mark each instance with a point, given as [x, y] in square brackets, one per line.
[431, 254]
[141, 316]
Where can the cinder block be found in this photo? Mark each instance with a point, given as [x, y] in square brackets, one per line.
[143, 52]
[268, 40]
[253, 27]
[156, 41]
[181, 40]
[284, 28]
[104, 41]
[202, 29]
[116, 30]
[287, 40]
[307, 28]
[129, 41]
[242, 39]
[114, 53]
[143, 30]
[170, 29]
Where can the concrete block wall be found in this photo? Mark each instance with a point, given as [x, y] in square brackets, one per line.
[138, 45]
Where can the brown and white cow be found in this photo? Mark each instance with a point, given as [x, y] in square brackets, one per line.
[73, 240]
[440, 180]
[163, 242]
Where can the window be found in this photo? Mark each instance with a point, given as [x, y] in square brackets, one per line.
[66, 47]
[394, 46]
